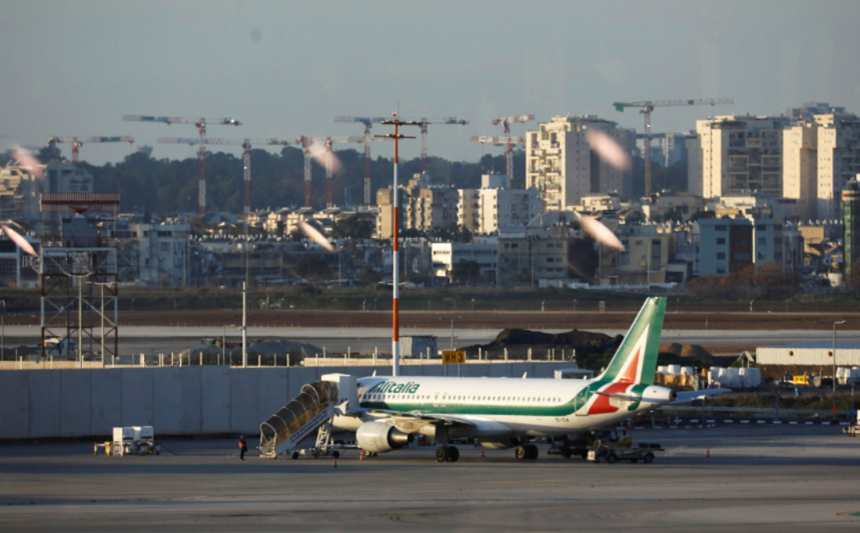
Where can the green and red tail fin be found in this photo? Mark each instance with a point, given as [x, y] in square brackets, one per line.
[636, 358]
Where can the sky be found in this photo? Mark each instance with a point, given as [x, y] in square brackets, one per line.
[286, 69]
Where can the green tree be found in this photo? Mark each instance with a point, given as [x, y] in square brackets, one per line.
[353, 227]
[368, 275]
[466, 271]
[48, 153]
[311, 267]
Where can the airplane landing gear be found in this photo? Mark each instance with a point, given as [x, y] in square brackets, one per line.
[447, 454]
[526, 452]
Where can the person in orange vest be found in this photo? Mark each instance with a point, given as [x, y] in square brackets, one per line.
[243, 447]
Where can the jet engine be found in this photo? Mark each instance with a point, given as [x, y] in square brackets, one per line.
[379, 437]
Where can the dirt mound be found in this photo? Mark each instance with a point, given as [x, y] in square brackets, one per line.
[695, 351]
[673, 348]
[517, 342]
[512, 337]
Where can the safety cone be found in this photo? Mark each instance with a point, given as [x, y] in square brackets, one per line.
[482, 452]
[362, 456]
[95, 448]
[709, 452]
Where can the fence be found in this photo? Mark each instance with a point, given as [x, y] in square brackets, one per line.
[191, 400]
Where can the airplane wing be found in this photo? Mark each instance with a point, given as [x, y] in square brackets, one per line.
[428, 417]
[689, 396]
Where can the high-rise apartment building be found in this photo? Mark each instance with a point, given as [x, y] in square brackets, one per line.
[563, 168]
[739, 154]
[838, 159]
[799, 167]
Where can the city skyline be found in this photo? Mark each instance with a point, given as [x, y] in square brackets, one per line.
[286, 70]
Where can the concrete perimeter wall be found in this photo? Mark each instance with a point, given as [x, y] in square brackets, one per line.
[190, 400]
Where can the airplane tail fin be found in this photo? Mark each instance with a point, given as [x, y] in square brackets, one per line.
[636, 358]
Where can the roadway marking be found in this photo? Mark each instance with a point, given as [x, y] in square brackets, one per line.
[672, 452]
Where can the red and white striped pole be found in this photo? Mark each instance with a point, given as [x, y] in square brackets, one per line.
[395, 335]
[395, 338]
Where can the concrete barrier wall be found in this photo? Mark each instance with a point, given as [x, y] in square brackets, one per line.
[191, 400]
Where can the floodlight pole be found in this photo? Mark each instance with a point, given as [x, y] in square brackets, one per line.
[395, 279]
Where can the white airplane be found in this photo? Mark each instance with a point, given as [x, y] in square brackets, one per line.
[506, 413]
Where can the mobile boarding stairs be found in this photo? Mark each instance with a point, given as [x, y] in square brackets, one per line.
[312, 410]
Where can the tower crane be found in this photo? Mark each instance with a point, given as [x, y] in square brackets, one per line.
[77, 143]
[307, 143]
[368, 123]
[246, 155]
[648, 106]
[422, 124]
[201, 124]
[507, 140]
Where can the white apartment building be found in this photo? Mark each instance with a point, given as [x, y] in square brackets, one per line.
[163, 253]
[65, 177]
[562, 166]
[740, 154]
[447, 254]
[487, 210]
[799, 167]
[838, 160]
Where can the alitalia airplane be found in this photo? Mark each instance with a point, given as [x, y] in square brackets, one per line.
[507, 413]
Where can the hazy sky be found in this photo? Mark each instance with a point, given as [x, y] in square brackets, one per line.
[286, 69]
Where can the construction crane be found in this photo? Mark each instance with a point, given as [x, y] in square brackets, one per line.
[201, 124]
[246, 155]
[307, 142]
[507, 140]
[422, 123]
[77, 143]
[648, 106]
[368, 123]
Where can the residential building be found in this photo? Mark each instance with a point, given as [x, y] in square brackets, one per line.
[62, 176]
[19, 193]
[163, 254]
[421, 207]
[739, 154]
[728, 245]
[666, 148]
[276, 222]
[534, 256]
[447, 254]
[487, 210]
[562, 166]
[678, 206]
[838, 159]
[800, 167]
[648, 250]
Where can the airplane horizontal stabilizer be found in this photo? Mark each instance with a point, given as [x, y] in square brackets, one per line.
[689, 396]
[631, 398]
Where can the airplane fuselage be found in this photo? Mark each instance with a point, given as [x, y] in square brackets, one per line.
[502, 407]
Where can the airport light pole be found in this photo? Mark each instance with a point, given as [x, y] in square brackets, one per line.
[837, 323]
[244, 326]
[395, 336]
